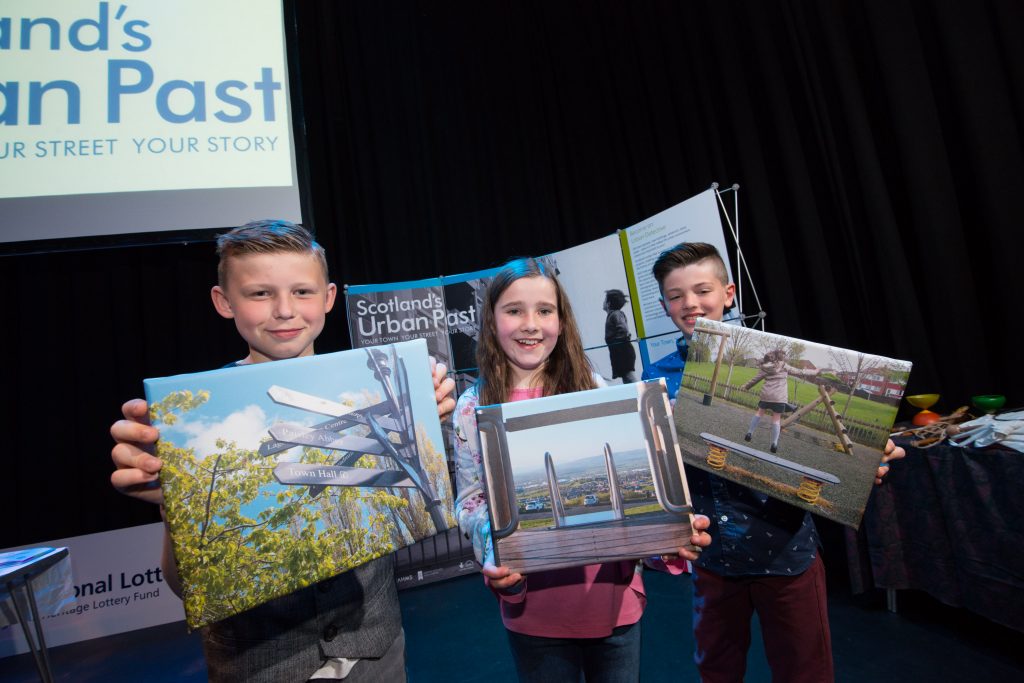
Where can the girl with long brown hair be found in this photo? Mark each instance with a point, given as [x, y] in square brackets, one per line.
[580, 623]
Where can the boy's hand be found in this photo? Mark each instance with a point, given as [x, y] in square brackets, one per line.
[444, 386]
[501, 578]
[891, 452]
[137, 469]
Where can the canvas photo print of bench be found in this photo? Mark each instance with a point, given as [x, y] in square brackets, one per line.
[279, 475]
[587, 477]
[800, 421]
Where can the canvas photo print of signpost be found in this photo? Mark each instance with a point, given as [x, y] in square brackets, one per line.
[279, 475]
[587, 477]
[802, 422]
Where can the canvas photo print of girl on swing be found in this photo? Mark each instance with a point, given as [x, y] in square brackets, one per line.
[799, 421]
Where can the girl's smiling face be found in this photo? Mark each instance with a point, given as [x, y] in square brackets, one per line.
[527, 326]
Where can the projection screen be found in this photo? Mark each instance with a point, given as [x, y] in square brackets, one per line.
[143, 116]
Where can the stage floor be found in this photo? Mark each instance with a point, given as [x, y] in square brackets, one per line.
[925, 641]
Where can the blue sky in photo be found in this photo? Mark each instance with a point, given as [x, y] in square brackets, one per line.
[239, 408]
[573, 440]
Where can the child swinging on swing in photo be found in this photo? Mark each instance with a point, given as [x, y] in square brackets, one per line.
[775, 372]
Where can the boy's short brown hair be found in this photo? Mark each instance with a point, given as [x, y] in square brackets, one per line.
[687, 254]
[266, 237]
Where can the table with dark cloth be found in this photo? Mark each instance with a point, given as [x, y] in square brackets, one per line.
[948, 521]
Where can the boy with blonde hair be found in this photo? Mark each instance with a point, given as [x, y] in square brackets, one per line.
[273, 282]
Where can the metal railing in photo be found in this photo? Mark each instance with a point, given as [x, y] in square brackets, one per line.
[618, 510]
[548, 521]
[655, 416]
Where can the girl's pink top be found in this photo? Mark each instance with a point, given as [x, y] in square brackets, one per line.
[579, 602]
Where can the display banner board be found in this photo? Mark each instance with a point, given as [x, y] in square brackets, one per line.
[444, 310]
[614, 298]
[694, 220]
[118, 585]
[592, 274]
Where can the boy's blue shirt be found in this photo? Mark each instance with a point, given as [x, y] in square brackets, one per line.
[670, 367]
[751, 533]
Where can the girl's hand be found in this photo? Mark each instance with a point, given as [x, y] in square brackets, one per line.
[444, 386]
[501, 578]
[700, 539]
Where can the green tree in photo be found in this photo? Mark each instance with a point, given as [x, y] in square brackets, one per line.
[413, 515]
[736, 351]
[700, 348]
[240, 541]
[854, 367]
[795, 352]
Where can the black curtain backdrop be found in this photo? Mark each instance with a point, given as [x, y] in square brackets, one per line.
[877, 143]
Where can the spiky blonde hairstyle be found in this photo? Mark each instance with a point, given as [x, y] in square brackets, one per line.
[266, 237]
